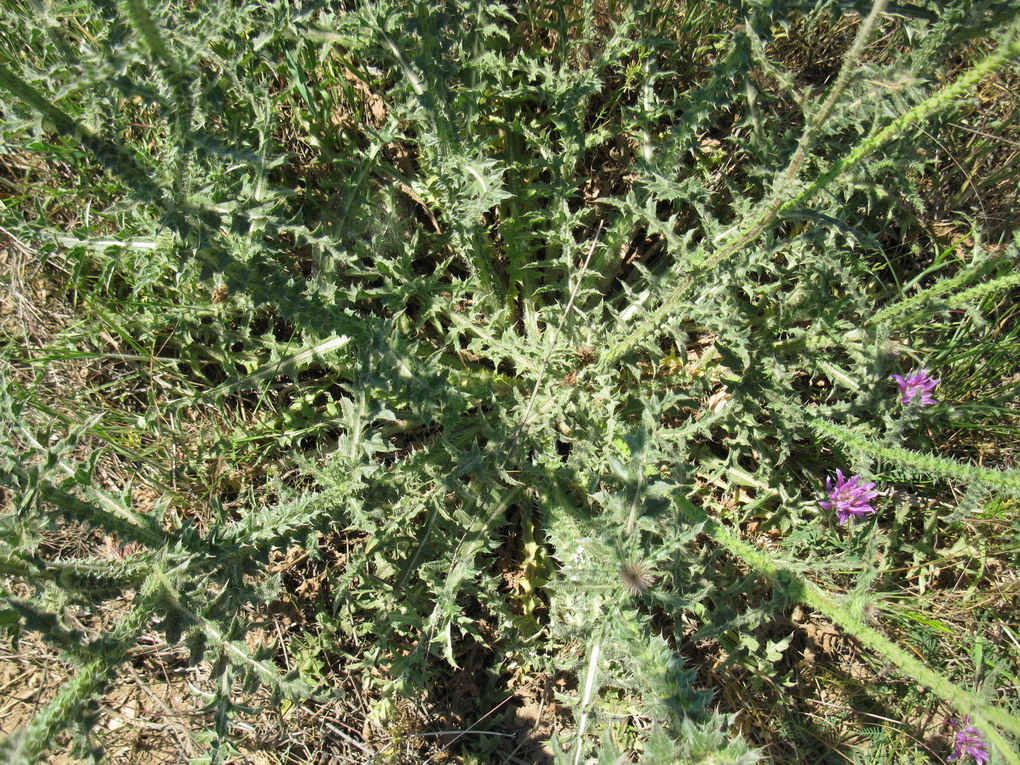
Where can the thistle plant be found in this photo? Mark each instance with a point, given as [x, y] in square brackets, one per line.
[535, 327]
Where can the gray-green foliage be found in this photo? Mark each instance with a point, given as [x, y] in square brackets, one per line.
[493, 232]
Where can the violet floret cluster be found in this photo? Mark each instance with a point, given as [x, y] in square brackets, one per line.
[917, 385]
[969, 742]
[849, 497]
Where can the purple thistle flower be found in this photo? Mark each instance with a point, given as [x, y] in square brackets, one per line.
[849, 497]
[916, 384]
[969, 741]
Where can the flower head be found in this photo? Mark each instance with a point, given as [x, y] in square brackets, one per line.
[637, 576]
[968, 742]
[849, 497]
[916, 384]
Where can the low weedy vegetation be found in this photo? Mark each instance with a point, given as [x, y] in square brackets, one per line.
[502, 382]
